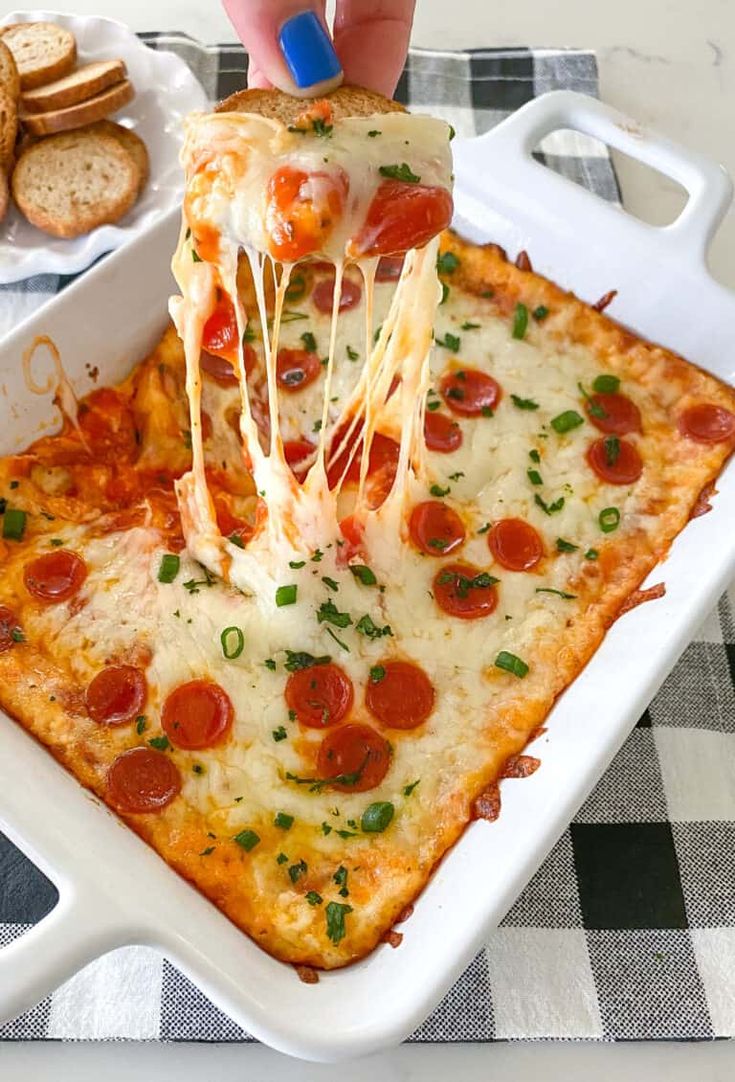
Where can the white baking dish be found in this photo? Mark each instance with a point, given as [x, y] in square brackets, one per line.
[115, 891]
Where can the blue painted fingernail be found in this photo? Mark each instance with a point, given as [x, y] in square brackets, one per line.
[308, 50]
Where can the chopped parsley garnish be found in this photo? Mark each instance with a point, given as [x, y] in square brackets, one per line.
[233, 642]
[591, 554]
[56, 541]
[313, 897]
[160, 743]
[337, 639]
[452, 133]
[467, 326]
[510, 663]
[140, 724]
[435, 405]
[559, 593]
[283, 821]
[548, 508]
[317, 556]
[289, 316]
[196, 258]
[309, 341]
[330, 583]
[377, 817]
[17, 635]
[449, 341]
[286, 595]
[317, 784]
[566, 421]
[456, 476]
[330, 614]
[14, 524]
[484, 529]
[565, 546]
[366, 626]
[486, 411]
[605, 384]
[270, 664]
[197, 768]
[447, 263]
[463, 584]
[408, 789]
[534, 455]
[594, 408]
[376, 336]
[612, 449]
[373, 132]
[295, 871]
[438, 543]
[540, 313]
[299, 659]
[296, 565]
[248, 335]
[377, 673]
[609, 519]
[320, 127]
[534, 476]
[317, 426]
[326, 829]
[363, 574]
[279, 734]
[438, 491]
[399, 172]
[247, 840]
[335, 914]
[340, 878]
[520, 321]
[523, 403]
[193, 585]
[236, 540]
[206, 852]
[352, 354]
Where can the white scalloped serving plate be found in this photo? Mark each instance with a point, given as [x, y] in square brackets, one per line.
[166, 90]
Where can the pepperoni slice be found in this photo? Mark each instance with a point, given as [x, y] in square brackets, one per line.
[302, 210]
[106, 421]
[469, 392]
[382, 463]
[142, 780]
[229, 524]
[320, 695]
[197, 715]
[707, 423]
[357, 754]
[463, 590]
[402, 216]
[441, 433]
[390, 268]
[221, 370]
[353, 534]
[435, 528]
[613, 413]
[403, 697]
[296, 453]
[116, 695]
[8, 624]
[323, 295]
[617, 463]
[55, 576]
[219, 334]
[515, 544]
[296, 369]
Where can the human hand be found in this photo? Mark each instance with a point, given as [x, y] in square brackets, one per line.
[289, 45]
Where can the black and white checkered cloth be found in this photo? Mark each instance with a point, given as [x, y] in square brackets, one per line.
[628, 930]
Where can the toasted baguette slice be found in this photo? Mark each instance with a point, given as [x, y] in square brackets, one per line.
[4, 196]
[9, 77]
[130, 141]
[42, 51]
[81, 85]
[73, 182]
[86, 112]
[8, 129]
[345, 101]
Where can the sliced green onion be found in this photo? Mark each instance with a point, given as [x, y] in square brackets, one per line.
[523, 403]
[233, 642]
[286, 595]
[283, 821]
[377, 817]
[606, 384]
[534, 476]
[520, 321]
[609, 519]
[566, 421]
[169, 569]
[511, 663]
[14, 524]
[447, 263]
[247, 839]
[565, 546]
[364, 574]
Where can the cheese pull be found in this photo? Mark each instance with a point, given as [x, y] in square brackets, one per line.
[278, 186]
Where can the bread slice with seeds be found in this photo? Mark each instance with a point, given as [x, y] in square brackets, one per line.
[72, 89]
[42, 51]
[130, 141]
[73, 182]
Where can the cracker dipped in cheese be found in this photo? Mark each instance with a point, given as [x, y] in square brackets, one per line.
[303, 706]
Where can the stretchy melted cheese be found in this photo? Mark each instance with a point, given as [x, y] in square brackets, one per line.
[313, 866]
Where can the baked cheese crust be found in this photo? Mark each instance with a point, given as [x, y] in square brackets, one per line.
[316, 870]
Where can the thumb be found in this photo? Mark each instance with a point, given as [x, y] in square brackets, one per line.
[288, 45]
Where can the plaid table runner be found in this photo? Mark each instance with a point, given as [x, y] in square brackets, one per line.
[628, 929]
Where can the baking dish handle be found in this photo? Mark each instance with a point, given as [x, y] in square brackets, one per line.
[73, 934]
[707, 184]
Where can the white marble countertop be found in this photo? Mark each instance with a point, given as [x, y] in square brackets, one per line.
[671, 65]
